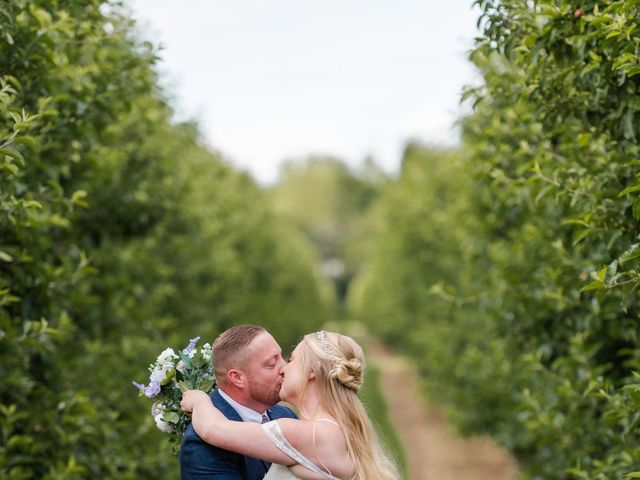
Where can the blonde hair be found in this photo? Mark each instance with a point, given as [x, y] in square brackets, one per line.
[337, 362]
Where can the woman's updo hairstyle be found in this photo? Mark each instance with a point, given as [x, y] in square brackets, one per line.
[341, 358]
[336, 363]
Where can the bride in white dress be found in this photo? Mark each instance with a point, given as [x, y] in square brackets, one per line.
[332, 440]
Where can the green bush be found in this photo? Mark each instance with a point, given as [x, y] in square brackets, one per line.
[536, 255]
[120, 234]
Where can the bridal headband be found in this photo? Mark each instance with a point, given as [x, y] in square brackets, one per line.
[321, 338]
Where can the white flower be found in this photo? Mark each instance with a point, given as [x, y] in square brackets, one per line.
[156, 409]
[206, 352]
[162, 425]
[158, 375]
[166, 357]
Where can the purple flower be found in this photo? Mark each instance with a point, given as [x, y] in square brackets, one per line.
[152, 390]
[190, 347]
[149, 391]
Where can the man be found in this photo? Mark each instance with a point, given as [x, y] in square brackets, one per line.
[248, 365]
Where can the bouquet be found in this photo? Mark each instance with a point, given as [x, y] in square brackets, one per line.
[171, 375]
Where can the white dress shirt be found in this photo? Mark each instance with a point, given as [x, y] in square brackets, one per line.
[247, 414]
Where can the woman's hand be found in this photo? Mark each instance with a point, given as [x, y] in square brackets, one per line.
[191, 398]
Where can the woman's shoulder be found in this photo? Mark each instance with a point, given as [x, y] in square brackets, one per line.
[310, 435]
[294, 429]
[299, 440]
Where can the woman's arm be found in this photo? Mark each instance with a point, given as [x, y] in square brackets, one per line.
[242, 437]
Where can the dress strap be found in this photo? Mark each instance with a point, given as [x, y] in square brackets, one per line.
[328, 420]
[274, 432]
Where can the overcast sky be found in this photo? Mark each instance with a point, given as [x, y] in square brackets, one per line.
[272, 80]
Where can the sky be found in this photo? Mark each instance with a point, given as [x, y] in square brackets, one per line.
[278, 80]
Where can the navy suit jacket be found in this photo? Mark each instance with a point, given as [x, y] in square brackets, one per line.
[201, 461]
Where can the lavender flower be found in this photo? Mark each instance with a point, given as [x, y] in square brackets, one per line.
[191, 346]
[149, 391]
[152, 390]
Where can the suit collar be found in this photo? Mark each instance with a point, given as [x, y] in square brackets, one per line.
[222, 405]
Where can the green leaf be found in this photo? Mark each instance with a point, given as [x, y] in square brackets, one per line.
[183, 386]
[630, 254]
[593, 286]
[633, 71]
[13, 81]
[10, 167]
[633, 475]
[26, 140]
[78, 198]
[198, 361]
[185, 359]
[20, 126]
[580, 236]
[207, 385]
[10, 152]
[171, 417]
[169, 376]
[602, 274]
[576, 221]
[629, 190]
[32, 204]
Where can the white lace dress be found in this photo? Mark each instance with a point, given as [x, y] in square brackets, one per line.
[282, 472]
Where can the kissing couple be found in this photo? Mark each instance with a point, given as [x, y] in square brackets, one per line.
[241, 433]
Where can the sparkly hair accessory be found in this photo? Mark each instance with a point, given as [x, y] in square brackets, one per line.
[326, 347]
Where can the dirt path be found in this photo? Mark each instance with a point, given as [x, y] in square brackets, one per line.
[433, 452]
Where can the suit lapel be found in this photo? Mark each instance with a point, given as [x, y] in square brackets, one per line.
[222, 405]
[258, 468]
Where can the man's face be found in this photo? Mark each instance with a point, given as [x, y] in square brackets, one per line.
[264, 369]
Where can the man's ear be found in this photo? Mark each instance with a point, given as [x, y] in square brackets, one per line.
[236, 378]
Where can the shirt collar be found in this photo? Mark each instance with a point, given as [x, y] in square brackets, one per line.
[247, 414]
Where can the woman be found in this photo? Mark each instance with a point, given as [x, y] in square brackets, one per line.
[333, 439]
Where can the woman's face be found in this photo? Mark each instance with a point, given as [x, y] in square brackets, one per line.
[293, 377]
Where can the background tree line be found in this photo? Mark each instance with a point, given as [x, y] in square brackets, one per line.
[508, 269]
[120, 235]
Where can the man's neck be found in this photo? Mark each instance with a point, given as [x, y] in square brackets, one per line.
[247, 414]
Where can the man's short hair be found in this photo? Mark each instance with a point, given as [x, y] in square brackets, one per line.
[228, 348]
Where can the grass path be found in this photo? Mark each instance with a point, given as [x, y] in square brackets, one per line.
[432, 450]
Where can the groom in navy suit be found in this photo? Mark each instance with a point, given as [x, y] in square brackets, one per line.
[248, 364]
